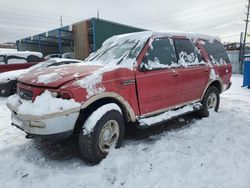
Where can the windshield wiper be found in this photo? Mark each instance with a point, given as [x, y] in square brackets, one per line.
[100, 54]
[128, 53]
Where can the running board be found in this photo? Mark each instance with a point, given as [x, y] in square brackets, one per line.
[168, 115]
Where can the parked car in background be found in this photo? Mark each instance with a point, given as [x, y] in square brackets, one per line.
[47, 57]
[8, 79]
[140, 79]
[18, 60]
[67, 55]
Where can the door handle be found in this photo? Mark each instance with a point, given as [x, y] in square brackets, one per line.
[175, 75]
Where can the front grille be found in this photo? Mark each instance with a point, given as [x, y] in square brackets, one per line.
[25, 94]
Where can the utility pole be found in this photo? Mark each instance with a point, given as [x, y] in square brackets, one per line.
[245, 35]
[61, 22]
[98, 13]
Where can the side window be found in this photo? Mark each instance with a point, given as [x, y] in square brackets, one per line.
[33, 58]
[216, 52]
[12, 59]
[2, 60]
[160, 55]
[187, 53]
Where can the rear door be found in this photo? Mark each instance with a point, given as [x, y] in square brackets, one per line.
[157, 78]
[194, 72]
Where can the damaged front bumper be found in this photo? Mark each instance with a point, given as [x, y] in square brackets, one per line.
[52, 126]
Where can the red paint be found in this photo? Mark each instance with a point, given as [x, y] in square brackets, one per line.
[11, 67]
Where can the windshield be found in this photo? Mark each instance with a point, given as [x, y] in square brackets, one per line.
[115, 53]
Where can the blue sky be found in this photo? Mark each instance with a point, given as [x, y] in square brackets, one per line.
[22, 18]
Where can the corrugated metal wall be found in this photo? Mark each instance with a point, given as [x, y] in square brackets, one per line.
[104, 29]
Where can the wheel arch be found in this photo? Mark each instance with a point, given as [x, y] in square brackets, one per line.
[216, 83]
[104, 98]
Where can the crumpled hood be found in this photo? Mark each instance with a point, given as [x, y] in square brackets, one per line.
[55, 77]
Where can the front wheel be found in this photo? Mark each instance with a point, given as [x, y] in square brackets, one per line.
[210, 101]
[103, 130]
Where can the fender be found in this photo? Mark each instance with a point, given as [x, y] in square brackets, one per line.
[120, 99]
[209, 84]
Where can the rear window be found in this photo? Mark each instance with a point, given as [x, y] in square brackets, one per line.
[216, 52]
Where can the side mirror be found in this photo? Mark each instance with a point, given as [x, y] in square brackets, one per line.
[144, 64]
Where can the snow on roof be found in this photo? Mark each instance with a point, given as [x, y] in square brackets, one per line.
[8, 50]
[147, 34]
[24, 54]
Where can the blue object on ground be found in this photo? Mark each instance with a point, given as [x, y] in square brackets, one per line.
[246, 76]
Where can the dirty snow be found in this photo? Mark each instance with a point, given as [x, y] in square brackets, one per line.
[210, 152]
[97, 115]
[168, 115]
[44, 104]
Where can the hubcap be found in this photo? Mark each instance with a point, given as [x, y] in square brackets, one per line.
[211, 101]
[109, 135]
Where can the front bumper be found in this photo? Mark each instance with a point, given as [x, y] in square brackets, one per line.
[60, 125]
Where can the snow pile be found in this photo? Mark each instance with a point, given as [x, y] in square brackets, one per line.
[97, 115]
[93, 82]
[11, 75]
[48, 78]
[43, 104]
[168, 115]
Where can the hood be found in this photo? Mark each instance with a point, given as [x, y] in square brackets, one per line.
[55, 77]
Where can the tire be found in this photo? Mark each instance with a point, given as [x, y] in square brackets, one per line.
[13, 88]
[92, 146]
[210, 101]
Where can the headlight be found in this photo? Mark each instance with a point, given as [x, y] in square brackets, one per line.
[54, 94]
[61, 95]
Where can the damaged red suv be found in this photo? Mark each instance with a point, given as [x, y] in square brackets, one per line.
[141, 78]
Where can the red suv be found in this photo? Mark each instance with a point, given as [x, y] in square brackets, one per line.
[142, 79]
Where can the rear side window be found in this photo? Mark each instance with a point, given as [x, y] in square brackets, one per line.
[187, 53]
[12, 59]
[216, 52]
[161, 54]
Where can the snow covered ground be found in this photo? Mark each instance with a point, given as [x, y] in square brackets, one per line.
[211, 152]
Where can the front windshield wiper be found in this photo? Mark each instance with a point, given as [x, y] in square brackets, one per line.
[100, 54]
[128, 53]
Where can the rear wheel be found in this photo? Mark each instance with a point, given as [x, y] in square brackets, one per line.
[210, 102]
[106, 133]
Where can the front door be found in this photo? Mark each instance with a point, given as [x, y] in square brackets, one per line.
[157, 76]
